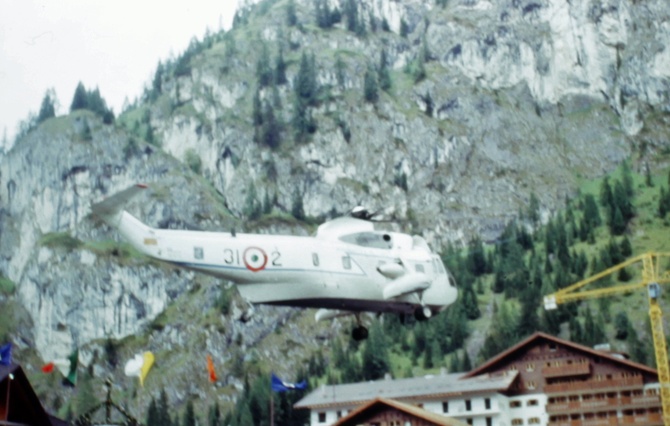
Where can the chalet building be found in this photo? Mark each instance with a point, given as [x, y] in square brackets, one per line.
[542, 380]
[387, 412]
[19, 405]
[574, 385]
[479, 401]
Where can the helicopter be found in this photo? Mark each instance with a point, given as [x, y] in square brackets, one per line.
[347, 268]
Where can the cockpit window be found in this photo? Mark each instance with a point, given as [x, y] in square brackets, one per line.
[369, 239]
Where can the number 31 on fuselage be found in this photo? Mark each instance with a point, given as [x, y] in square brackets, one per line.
[347, 267]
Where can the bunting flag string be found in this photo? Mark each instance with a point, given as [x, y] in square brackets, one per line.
[6, 354]
[210, 369]
[278, 385]
[139, 366]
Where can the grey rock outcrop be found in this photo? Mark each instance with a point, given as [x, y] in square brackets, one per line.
[519, 97]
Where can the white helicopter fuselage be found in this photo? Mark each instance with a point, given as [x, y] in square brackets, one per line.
[347, 266]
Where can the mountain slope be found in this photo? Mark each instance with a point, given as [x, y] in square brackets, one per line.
[487, 104]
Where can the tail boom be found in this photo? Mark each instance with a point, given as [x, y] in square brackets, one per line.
[111, 211]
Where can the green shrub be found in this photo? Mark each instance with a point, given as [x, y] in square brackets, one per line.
[60, 240]
[7, 286]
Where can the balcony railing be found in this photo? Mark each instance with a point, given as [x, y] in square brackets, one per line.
[651, 419]
[595, 404]
[581, 386]
[567, 370]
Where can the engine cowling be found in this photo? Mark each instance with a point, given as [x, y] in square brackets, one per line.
[408, 283]
[391, 270]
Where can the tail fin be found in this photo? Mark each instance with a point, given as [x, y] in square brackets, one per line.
[110, 208]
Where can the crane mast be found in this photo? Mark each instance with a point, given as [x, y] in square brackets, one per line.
[651, 280]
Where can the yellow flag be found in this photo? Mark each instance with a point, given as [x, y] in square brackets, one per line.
[146, 366]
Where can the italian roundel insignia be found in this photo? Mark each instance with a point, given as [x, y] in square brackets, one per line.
[255, 259]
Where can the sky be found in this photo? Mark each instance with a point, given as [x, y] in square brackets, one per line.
[112, 45]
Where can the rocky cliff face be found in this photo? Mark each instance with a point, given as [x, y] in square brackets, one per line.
[519, 97]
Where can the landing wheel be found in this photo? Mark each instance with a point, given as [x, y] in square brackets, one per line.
[359, 333]
[422, 313]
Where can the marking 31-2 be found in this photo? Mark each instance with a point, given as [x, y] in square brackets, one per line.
[253, 258]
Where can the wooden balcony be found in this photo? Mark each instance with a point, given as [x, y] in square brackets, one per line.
[610, 421]
[651, 419]
[580, 369]
[605, 404]
[591, 385]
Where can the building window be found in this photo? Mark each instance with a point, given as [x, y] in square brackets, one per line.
[514, 404]
[468, 421]
[198, 252]
[530, 385]
[468, 405]
[487, 403]
[445, 406]
[534, 421]
[489, 421]
[530, 366]
[532, 403]
[315, 259]
[346, 262]
[517, 422]
[322, 417]
[339, 414]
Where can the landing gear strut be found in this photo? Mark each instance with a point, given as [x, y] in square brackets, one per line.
[422, 313]
[359, 332]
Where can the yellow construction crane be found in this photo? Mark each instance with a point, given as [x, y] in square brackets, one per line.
[652, 277]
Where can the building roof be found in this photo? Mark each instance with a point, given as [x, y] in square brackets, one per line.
[538, 337]
[358, 415]
[24, 405]
[438, 386]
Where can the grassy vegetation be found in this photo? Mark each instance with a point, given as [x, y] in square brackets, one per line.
[62, 240]
[7, 286]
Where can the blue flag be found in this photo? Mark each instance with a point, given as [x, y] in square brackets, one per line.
[6, 354]
[278, 385]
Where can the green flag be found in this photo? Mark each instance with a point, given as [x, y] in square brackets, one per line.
[71, 378]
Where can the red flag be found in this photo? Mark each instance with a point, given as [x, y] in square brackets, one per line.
[48, 368]
[210, 368]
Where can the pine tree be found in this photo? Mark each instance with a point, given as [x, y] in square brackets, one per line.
[340, 71]
[252, 208]
[618, 224]
[297, 210]
[375, 358]
[383, 74]
[647, 176]
[370, 89]
[404, 28]
[627, 178]
[80, 99]
[214, 416]
[271, 128]
[291, 16]
[264, 74]
[621, 325]
[606, 197]
[351, 15]
[280, 68]
[189, 415]
[163, 410]
[48, 107]
[476, 259]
